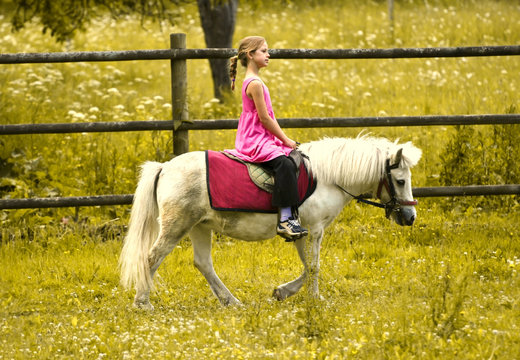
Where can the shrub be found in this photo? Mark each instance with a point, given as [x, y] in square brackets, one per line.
[483, 156]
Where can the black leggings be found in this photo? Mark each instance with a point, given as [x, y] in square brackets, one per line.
[285, 191]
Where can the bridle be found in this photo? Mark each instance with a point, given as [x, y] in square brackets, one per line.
[394, 204]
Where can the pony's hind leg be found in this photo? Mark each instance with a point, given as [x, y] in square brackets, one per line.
[173, 227]
[201, 240]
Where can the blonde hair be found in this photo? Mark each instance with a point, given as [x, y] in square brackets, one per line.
[245, 46]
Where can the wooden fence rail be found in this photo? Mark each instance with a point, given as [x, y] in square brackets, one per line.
[102, 200]
[226, 124]
[178, 54]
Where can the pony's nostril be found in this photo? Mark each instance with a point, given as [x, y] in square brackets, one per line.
[412, 219]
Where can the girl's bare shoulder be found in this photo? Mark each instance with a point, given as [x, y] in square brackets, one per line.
[255, 86]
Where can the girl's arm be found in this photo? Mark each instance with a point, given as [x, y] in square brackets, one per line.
[256, 92]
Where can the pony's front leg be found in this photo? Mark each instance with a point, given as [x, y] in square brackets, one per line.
[314, 268]
[201, 241]
[313, 249]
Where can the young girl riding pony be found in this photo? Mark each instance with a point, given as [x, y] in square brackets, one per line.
[259, 137]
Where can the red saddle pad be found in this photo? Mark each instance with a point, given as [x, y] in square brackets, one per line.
[230, 187]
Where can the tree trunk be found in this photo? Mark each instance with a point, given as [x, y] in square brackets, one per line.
[218, 19]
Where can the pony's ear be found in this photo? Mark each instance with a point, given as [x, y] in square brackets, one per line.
[398, 157]
[411, 155]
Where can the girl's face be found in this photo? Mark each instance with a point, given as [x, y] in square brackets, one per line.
[260, 56]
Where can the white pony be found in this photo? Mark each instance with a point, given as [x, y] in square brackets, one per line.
[171, 201]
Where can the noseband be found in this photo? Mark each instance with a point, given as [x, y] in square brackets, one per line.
[393, 204]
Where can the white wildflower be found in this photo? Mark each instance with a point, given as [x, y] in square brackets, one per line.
[113, 91]
[94, 83]
[78, 116]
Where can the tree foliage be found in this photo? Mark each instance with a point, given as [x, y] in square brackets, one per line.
[64, 17]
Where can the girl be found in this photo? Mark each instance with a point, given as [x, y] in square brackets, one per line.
[259, 137]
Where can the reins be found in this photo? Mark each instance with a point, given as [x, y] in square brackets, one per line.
[360, 198]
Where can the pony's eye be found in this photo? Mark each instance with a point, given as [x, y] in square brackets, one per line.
[400, 182]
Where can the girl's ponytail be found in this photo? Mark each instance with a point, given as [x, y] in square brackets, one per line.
[233, 70]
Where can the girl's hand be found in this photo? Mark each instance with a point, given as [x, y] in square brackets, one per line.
[291, 143]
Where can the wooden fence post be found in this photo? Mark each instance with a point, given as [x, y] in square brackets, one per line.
[391, 11]
[391, 17]
[179, 78]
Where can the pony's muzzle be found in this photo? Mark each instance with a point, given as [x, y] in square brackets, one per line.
[405, 216]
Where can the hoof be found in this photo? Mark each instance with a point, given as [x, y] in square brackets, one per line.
[143, 306]
[231, 302]
[277, 294]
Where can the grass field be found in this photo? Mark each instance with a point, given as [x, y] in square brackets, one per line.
[447, 288]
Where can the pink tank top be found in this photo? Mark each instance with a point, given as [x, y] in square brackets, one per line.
[254, 143]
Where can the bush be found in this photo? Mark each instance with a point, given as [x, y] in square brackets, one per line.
[483, 156]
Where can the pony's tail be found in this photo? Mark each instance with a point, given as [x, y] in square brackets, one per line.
[142, 231]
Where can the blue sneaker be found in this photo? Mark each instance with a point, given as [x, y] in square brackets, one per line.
[291, 229]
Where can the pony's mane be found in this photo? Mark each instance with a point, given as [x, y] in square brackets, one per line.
[353, 161]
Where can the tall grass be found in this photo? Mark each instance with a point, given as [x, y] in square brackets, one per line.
[446, 288]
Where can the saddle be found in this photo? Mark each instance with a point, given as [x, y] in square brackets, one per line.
[236, 185]
[264, 178]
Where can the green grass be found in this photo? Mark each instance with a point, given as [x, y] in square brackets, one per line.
[442, 289]
[446, 288]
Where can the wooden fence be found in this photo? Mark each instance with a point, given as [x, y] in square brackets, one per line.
[178, 55]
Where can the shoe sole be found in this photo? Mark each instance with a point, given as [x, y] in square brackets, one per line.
[292, 236]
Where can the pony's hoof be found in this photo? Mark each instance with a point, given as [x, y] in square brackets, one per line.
[231, 302]
[143, 306]
[278, 295]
